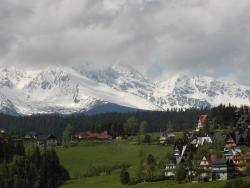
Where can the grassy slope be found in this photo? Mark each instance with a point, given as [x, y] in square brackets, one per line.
[112, 181]
[77, 159]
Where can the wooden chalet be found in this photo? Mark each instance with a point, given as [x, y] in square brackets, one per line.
[205, 167]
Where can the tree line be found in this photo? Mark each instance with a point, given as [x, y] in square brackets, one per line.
[115, 123]
[34, 169]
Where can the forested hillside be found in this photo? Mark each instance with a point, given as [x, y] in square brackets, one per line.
[179, 120]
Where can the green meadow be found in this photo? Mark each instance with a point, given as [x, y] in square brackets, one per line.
[112, 181]
[76, 159]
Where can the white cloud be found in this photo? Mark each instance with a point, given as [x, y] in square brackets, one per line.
[192, 36]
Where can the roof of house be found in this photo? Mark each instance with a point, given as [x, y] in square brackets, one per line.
[44, 137]
[202, 140]
[90, 135]
[231, 136]
[202, 118]
[170, 135]
[211, 159]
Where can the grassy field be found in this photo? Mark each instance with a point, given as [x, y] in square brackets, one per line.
[112, 181]
[77, 159]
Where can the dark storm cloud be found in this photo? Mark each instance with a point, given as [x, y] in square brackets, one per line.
[200, 36]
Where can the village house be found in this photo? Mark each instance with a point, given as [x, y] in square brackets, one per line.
[31, 135]
[92, 136]
[200, 141]
[166, 138]
[222, 169]
[170, 168]
[201, 121]
[239, 163]
[178, 157]
[230, 152]
[205, 167]
[48, 140]
[230, 148]
[180, 152]
[230, 141]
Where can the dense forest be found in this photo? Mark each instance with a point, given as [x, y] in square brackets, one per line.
[20, 169]
[179, 120]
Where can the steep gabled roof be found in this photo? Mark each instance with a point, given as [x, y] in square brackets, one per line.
[231, 136]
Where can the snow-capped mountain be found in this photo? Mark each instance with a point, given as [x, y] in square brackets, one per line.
[83, 88]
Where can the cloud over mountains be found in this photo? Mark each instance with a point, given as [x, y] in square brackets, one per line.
[207, 36]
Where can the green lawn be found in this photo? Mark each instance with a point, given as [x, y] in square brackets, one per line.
[77, 159]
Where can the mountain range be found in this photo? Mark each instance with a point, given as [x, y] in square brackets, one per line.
[85, 89]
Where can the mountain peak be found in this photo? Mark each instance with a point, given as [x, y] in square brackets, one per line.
[80, 88]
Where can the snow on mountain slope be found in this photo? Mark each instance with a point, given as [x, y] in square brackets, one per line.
[62, 90]
[201, 91]
[120, 77]
[81, 88]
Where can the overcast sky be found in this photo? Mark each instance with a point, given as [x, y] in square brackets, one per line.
[161, 37]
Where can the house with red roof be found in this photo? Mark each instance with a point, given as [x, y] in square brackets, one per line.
[92, 136]
[201, 121]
